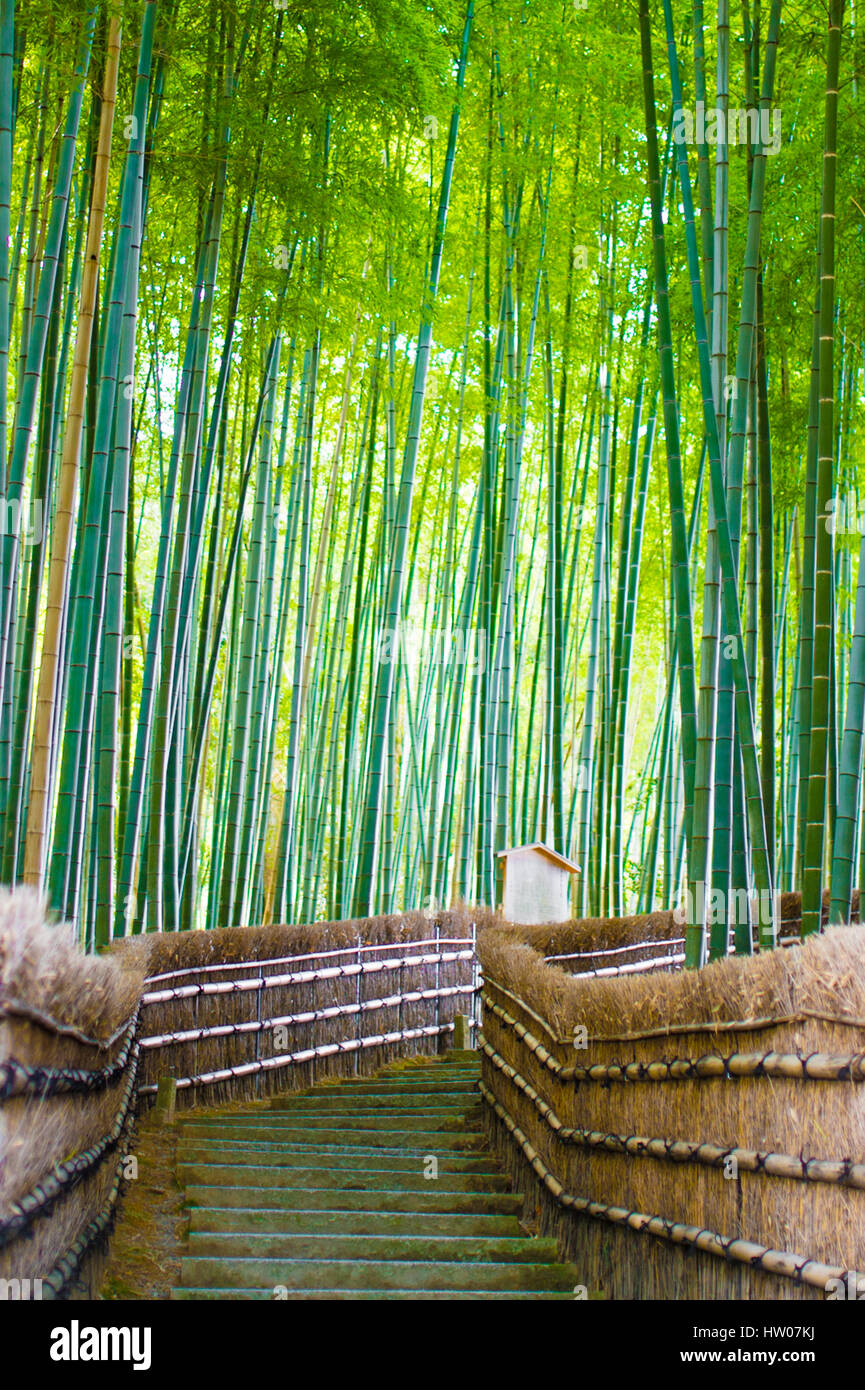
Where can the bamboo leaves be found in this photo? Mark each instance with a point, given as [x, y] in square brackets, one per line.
[331, 600]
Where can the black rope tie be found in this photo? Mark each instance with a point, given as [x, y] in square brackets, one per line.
[21, 1078]
[756, 1261]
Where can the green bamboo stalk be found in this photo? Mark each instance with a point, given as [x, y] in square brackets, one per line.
[818, 760]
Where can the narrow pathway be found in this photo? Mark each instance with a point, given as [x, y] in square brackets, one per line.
[331, 1194]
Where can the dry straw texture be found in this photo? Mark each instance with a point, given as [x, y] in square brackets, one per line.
[43, 969]
[800, 998]
[186, 950]
[598, 933]
[272, 951]
[61, 1009]
[52, 997]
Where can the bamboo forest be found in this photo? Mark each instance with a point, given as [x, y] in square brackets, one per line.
[432, 426]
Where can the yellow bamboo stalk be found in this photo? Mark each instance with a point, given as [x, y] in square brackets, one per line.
[61, 540]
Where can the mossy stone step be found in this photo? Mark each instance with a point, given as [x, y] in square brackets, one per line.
[290, 1248]
[398, 1122]
[433, 1071]
[374, 1119]
[445, 1065]
[301, 1138]
[212, 1271]
[394, 1088]
[395, 1138]
[323, 1106]
[365, 1295]
[328, 1194]
[280, 1156]
[418, 1202]
[360, 1180]
[437, 1076]
[359, 1223]
[442, 1103]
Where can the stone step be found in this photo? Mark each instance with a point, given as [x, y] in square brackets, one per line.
[393, 1088]
[417, 1079]
[362, 1140]
[301, 1156]
[438, 1071]
[399, 1123]
[324, 1104]
[205, 1271]
[350, 1223]
[359, 1180]
[454, 1057]
[366, 1295]
[324, 1101]
[429, 1121]
[333, 1199]
[394, 1091]
[440, 1067]
[326, 1194]
[290, 1249]
[423, 1140]
[437, 1075]
[445, 1118]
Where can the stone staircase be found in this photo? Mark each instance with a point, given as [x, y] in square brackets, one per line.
[330, 1194]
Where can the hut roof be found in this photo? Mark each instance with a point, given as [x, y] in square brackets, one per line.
[558, 859]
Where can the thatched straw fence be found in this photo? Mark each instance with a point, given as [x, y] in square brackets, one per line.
[228, 1014]
[247, 1012]
[694, 1134]
[708, 1140]
[68, 1058]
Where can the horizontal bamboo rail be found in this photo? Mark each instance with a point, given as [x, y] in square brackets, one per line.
[635, 968]
[261, 964]
[780, 1262]
[434, 973]
[773, 1165]
[737, 1065]
[615, 950]
[332, 972]
[307, 1055]
[223, 1030]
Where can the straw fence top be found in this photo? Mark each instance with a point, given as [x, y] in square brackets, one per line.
[45, 978]
[244, 945]
[822, 978]
[594, 933]
[586, 935]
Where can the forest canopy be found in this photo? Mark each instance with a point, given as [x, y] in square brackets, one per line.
[430, 428]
